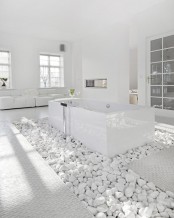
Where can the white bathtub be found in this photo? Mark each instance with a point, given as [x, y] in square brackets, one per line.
[108, 128]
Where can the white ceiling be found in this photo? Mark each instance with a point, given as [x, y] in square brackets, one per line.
[66, 19]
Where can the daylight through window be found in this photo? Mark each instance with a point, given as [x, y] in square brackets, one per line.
[51, 71]
[5, 65]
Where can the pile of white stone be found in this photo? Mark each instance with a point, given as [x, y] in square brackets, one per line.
[104, 185]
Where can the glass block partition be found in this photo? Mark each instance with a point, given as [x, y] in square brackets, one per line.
[162, 73]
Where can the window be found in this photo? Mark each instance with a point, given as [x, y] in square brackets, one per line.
[161, 76]
[51, 71]
[5, 66]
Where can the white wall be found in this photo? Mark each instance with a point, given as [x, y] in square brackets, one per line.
[77, 66]
[106, 55]
[133, 70]
[155, 21]
[25, 59]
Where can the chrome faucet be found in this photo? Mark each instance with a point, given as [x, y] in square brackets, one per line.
[108, 106]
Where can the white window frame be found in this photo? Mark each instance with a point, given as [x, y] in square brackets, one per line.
[161, 111]
[50, 66]
[9, 65]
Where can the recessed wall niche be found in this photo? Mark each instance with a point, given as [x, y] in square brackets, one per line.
[96, 83]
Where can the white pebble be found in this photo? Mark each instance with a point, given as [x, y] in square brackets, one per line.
[100, 215]
[129, 192]
[101, 189]
[102, 208]
[129, 177]
[92, 210]
[99, 200]
[141, 182]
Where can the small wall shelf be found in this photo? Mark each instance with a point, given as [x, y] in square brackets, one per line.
[96, 83]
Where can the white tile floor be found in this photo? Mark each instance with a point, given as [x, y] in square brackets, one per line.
[16, 114]
[28, 186]
[166, 120]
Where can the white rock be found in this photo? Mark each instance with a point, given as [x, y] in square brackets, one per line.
[118, 194]
[88, 174]
[145, 187]
[151, 185]
[82, 186]
[81, 191]
[108, 192]
[93, 186]
[129, 191]
[111, 177]
[160, 207]
[101, 189]
[120, 187]
[72, 178]
[102, 208]
[101, 215]
[90, 201]
[162, 195]
[154, 194]
[138, 190]
[146, 212]
[92, 210]
[90, 193]
[113, 208]
[129, 177]
[121, 180]
[111, 202]
[126, 209]
[141, 182]
[130, 214]
[99, 200]
[142, 197]
[76, 182]
[52, 162]
[170, 194]
[44, 154]
[85, 204]
[81, 197]
[164, 214]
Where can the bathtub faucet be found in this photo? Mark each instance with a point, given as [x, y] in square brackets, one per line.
[108, 106]
[64, 105]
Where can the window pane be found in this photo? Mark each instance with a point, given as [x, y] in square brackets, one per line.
[156, 91]
[168, 79]
[168, 91]
[51, 71]
[156, 56]
[44, 77]
[4, 57]
[5, 67]
[156, 79]
[55, 81]
[169, 67]
[156, 102]
[168, 54]
[168, 41]
[54, 61]
[156, 44]
[168, 104]
[4, 71]
[156, 68]
[43, 60]
[54, 69]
